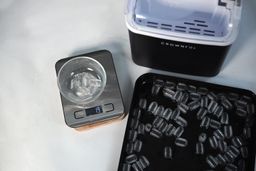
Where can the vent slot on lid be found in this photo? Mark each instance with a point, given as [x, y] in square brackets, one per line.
[196, 27]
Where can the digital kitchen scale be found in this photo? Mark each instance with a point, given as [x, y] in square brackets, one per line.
[108, 106]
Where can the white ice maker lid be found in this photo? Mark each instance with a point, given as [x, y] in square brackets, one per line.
[210, 22]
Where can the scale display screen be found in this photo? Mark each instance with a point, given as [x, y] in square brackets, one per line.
[93, 110]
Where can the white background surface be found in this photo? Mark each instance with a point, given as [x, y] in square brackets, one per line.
[34, 34]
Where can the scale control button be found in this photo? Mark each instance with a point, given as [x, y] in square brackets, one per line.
[108, 107]
[80, 114]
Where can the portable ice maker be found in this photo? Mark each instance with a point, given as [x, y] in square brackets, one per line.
[185, 36]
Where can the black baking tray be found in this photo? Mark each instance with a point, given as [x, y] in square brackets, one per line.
[184, 159]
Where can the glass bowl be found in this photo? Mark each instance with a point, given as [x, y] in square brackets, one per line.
[82, 80]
